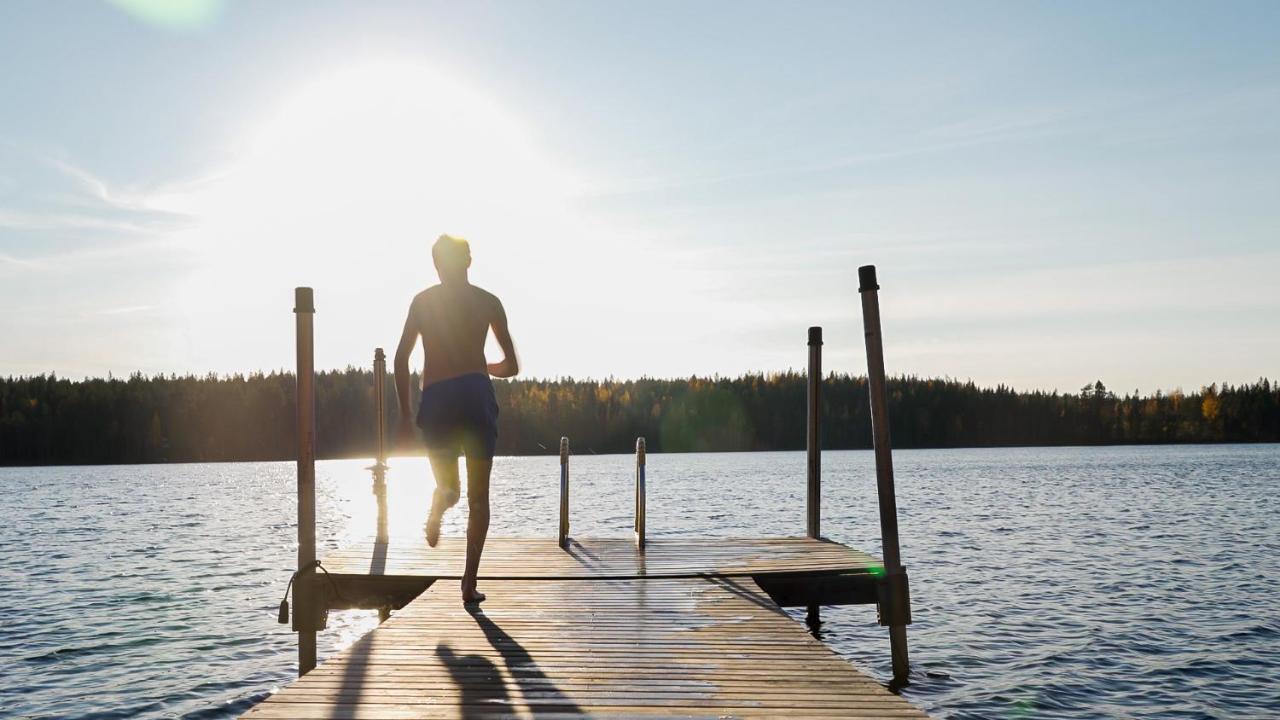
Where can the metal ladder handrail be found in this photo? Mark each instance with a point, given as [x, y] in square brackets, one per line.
[640, 494]
[564, 492]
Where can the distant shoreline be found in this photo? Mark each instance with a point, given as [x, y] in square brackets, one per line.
[50, 421]
[422, 456]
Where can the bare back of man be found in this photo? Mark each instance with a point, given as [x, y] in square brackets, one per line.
[458, 411]
[454, 321]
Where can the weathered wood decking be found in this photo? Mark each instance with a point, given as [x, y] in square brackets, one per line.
[795, 571]
[714, 646]
[601, 558]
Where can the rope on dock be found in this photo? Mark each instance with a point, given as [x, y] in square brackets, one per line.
[283, 615]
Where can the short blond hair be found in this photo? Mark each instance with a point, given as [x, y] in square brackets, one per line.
[451, 252]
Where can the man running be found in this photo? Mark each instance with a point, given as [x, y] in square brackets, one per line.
[458, 411]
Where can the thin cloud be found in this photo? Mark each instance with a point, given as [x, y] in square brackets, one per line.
[128, 310]
[64, 260]
[62, 221]
[99, 189]
[64, 217]
[19, 262]
[86, 179]
[1031, 123]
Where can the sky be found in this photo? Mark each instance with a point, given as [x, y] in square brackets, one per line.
[1053, 193]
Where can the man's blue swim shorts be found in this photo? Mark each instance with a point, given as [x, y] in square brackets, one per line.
[460, 414]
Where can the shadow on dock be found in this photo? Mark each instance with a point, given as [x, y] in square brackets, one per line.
[584, 556]
[521, 667]
[378, 560]
[480, 686]
[351, 686]
[736, 588]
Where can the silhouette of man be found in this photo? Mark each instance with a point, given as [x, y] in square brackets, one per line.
[458, 411]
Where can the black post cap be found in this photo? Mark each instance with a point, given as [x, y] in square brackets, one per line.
[867, 278]
[815, 336]
[304, 300]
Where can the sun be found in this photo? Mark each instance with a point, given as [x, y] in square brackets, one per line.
[344, 184]
[380, 142]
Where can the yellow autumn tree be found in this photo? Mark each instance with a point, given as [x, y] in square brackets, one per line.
[1209, 405]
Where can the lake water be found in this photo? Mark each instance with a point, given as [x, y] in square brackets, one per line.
[1063, 582]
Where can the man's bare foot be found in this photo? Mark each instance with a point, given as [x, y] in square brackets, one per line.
[440, 501]
[471, 596]
[433, 527]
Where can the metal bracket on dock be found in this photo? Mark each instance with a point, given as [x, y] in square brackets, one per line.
[893, 598]
[310, 602]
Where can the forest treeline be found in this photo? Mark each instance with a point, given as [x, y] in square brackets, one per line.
[49, 420]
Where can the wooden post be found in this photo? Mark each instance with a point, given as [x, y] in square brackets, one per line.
[640, 496]
[380, 428]
[813, 438]
[564, 492]
[894, 596]
[382, 533]
[304, 596]
[379, 402]
[813, 434]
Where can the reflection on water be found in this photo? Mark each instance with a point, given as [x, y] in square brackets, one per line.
[1046, 582]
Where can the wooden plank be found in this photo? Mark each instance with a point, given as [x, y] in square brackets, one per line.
[609, 558]
[676, 647]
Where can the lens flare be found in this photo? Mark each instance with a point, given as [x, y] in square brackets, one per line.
[173, 14]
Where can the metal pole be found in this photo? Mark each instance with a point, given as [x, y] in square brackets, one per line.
[894, 596]
[564, 492]
[304, 615]
[640, 496]
[813, 499]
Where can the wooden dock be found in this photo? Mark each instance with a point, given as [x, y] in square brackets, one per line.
[798, 572]
[597, 627]
[683, 629]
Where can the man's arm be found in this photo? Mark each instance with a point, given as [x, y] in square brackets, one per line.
[407, 340]
[509, 366]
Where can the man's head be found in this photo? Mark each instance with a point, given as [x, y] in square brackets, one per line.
[452, 257]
